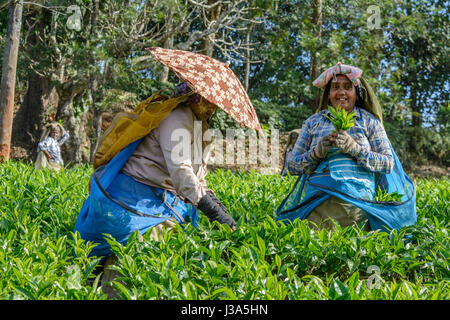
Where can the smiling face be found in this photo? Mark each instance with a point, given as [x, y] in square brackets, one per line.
[55, 133]
[343, 93]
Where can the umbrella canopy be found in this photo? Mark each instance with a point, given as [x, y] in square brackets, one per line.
[213, 80]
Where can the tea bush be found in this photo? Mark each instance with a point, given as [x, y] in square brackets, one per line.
[262, 259]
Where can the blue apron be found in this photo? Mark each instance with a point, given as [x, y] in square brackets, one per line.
[340, 176]
[118, 205]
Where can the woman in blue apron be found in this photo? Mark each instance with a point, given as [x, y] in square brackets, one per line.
[154, 183]
[340, 172]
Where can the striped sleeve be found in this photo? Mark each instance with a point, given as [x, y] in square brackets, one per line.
[379, 158]
[300, 159]
[63, 139]
[45, 144]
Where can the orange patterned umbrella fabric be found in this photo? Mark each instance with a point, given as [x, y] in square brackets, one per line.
[213, 80]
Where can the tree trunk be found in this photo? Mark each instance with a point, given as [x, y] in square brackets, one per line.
[247, 58]
[85, 143]
[315, 58]
[317, 24]
[416, 109]
[373, 56]
[65, 113]
[207, 44]
[8, 81]
[40, 102]
[168, 44]
[97, 123]
[96, 93]
[96, 90]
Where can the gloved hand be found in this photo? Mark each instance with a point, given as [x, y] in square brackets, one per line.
[322, 148]
[216, 200]
[215, 210]
[347, 144]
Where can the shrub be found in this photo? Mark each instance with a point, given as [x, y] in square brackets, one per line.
[262, 259]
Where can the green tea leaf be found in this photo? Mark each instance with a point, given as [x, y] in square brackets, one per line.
[338, 291]
[230, 294]
[340, 119]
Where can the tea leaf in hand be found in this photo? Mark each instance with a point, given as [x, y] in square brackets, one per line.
[340, 119]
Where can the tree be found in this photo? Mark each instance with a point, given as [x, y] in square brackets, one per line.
[8, 80]
[40, 102]
[419, 55]
[276, 48]
[314, 53]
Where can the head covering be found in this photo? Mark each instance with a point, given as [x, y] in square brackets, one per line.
[353, 73]
[366, 97]
[48, 129]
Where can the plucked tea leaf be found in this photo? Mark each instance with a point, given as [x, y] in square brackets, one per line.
[340, 119]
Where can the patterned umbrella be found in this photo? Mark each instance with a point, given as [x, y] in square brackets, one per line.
[213, 80]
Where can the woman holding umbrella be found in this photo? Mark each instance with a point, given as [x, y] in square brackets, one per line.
[156, 161]
[141, 181]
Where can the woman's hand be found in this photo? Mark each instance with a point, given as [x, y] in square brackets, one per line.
[346, 143]
[322, 148]
[47, 155]
[211, 206]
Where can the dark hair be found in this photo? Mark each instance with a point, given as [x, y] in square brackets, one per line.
[359, 96]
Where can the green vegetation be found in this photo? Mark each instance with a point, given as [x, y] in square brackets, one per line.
[276, 47]
[382, 195]
[340, 119]
[262, 259]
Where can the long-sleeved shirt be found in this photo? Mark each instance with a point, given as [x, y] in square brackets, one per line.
[173, 156]
[368, 132]
[53, 146]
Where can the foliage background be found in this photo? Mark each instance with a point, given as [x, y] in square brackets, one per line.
[275, 47]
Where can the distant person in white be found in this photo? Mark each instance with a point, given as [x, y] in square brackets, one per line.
[50, 147]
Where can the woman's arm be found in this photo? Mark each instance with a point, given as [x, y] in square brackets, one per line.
[379, 157]
[177, 154]
[303, 158]
[44, 144]
[63, 139]
[175, 134]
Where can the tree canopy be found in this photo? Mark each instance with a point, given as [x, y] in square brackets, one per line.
[80, 58]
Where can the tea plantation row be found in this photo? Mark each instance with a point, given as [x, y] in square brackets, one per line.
[262, 259]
